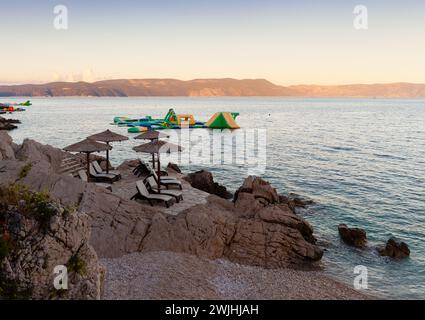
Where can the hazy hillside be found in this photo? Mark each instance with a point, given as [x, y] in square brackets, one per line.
[150, 87]
[393, 90]
[209, 87]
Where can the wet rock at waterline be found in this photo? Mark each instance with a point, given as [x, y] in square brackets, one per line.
[203, 180]
[8, 124]
[394, 249]
[295, 201]
[353, 236]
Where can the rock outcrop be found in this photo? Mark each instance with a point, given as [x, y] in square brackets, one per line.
[203, 180]
[8, 124]
[118, 225]
[246, 232]
[6, 147]
[39, 176]
[295, 201]
[260, 189]
[36, 235]
[353, 236]
[395, 249]
[34, 152]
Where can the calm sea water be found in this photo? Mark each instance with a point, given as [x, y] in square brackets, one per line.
[362, 161]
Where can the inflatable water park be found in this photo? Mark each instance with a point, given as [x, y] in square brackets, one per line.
[13, 107]
[220, 120]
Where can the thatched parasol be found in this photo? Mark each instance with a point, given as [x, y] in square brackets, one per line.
[157, 147]
[108, 136]
[88, 146]
[152, 135]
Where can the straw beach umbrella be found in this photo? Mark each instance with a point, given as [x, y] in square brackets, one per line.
[108, 136]
[158, 147]
[87, 146]
[152, 135]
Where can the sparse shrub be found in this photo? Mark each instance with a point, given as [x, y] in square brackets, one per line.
[25, 170]
[31, 204]
[42, 209]
[76, 264]
[9, 289]
[57, 293]
[68, 210]
[5, 248]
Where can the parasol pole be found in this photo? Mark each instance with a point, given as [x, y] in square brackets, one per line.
[159, 174]
[107, 158]
[88, 166]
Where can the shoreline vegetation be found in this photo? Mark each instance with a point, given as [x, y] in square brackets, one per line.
[254, 246]
[225, 87]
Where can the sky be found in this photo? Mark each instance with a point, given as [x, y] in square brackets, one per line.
[286, 42]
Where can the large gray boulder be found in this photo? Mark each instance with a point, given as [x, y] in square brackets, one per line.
[118, 225]
[39, 176]
[6, 147]
[33, 151]
[259, 188]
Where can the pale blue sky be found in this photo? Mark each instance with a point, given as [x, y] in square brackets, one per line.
[286, 42]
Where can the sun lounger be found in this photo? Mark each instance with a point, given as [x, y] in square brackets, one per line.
[143, 194]
[163, 172]
[102, 176]
[167, 181]
[83, 176]
[141, 169]
[153, 186]
[99, 170]
[144, 169]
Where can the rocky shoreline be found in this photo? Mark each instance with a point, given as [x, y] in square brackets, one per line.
[8, 124]
[258, 233]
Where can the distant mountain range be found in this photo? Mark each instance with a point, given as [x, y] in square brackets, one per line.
[209, 88]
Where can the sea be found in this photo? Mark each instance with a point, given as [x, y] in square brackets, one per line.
[362, 162]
